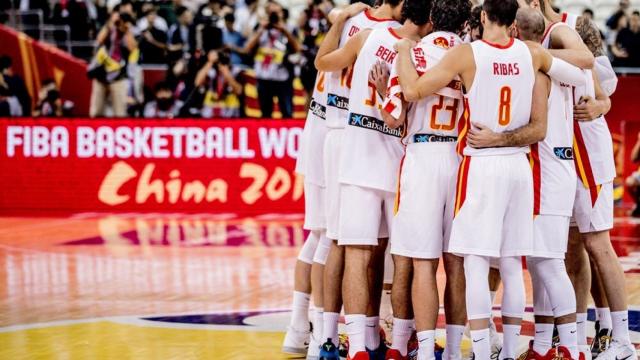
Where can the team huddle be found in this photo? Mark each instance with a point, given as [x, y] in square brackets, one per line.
[473, 135]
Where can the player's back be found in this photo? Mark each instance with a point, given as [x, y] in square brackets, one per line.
[338, 83]
[371, 150]
[501, 93]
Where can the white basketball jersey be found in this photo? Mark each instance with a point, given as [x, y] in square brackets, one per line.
[438, 114]
[554, 173]
[593, 148]
[338, 83]
[546, 40]
[371, 151]
[501, 93]
[310, 159]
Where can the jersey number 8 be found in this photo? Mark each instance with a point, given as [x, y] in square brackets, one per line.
[504, 118]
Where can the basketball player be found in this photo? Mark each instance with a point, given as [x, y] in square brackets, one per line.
[368, 168]
[313, 255]
[494, 199]
[424, 207]
[347, 25]
[593, 209]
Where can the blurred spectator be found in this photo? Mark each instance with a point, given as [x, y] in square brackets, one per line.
[164, 105]
[218, 85]
[623, 8]
[271, 45]
[181, 35]
[49, 102]
[79, 15]
[9, 105]
[633, 181]
[150, 16]
[247, 17]
[15, 85]
[588, 13]
[314, 25]
[153, 38]
[24, 5]
[627, 45]
[109, 68]
[233, 40]
[622, 22]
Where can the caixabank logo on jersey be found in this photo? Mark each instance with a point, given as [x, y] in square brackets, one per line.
[318, 109]
[371, 123]
[339, 102]
[563, 153]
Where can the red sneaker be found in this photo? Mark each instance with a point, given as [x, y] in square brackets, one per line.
[360, 355]
[530, 354]
[565, 354]
[394, 354]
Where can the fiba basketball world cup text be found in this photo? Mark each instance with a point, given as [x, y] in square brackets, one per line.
[146, 164]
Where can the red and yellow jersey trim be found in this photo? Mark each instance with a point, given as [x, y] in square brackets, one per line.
[461, 185]
[534, 160]
[463, 128]
[583, 164]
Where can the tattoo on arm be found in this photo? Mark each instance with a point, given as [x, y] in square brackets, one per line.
[590, 35]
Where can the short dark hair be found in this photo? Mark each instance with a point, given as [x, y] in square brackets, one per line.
[417, 11]
[474, 19]
[5, 62]
[181, 10]
[162, 85]
[393, 3]
[450, 15]
[502, 12]
[230, 17]
[636, 13]
[588, 11]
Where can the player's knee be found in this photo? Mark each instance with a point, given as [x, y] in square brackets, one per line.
[322, 250]
[309, 248]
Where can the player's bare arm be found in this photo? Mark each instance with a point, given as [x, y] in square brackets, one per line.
[589, 108]
[590, 35]
[457, 61]
[341, 58]
[536, 130]
[556, 68]
[330, 44]
[567, 45]
[392, 122]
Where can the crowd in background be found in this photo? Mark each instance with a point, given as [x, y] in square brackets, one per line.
[210, 48]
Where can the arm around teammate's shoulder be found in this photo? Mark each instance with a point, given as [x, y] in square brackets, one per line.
[556, 68]
[341, 58]
[568, 46]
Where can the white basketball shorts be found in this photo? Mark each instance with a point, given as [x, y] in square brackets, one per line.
[364, 215]
[332, 149]
[593, 208]
[422, 223]
[493, 213]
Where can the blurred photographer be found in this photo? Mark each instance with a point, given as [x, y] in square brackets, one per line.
[9, 104]
[164, 105]
[153, 38]
[109, 68]
[272, 44]
[219, 88]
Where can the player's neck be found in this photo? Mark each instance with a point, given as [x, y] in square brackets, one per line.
[411, 31]
[496, 34]
[383, 11]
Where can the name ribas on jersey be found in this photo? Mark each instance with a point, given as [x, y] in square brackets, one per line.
[371, 123]
[508, 69]
[318, 109]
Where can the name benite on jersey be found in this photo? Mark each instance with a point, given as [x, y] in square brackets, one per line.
[371, 123]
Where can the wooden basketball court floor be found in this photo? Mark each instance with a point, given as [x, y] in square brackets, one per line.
[175, 286]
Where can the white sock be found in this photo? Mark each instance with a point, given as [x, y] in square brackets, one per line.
[511, 333]
[356, 325]
[426, 344]
[454, 338]
[300, 311]
[317, 324]
[543, 338]
[581, 325]
[372, 333]
[620, 326]
[330, 327]
[493, 296]
[481, 343]
[603, 315]
[400, 334]
[569, 338]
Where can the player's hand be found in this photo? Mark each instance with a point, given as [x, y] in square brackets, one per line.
[355, 9]
[379, 75]
[587, 109]
[482, 137]
[404, 45]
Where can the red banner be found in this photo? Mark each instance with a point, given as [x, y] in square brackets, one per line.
[110, 165]
[37, 61]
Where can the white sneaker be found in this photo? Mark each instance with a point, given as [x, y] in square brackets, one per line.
[496, 343]
[314, 349]
[618, 351]
[296, 341]
[586, 351]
